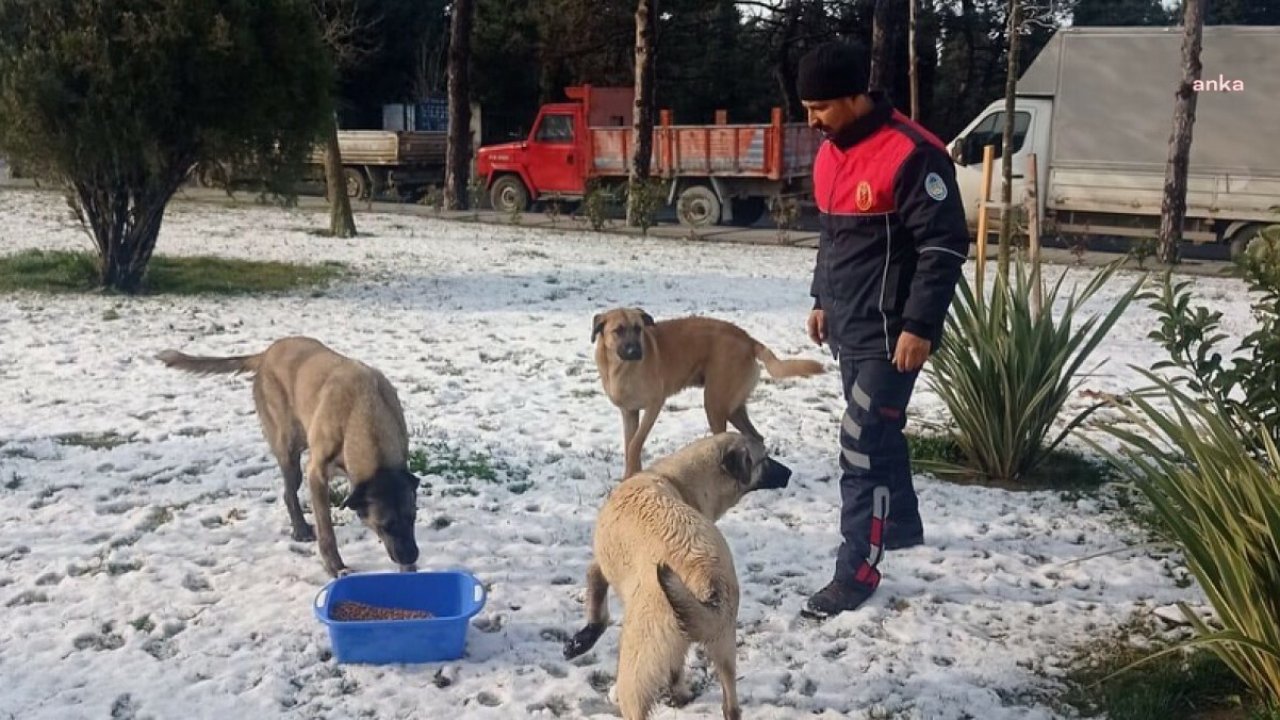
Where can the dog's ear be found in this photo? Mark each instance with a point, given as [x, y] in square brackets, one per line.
[597, 326]
[736, 462]
[648, 319]
[358, 499]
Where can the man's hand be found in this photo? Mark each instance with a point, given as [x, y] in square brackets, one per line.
[911, 352]
[817, 326]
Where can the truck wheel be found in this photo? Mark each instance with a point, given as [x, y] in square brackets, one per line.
[211, 175]
[356, 183]
[1239, 242]
[698, 206]
[747, 211]
[508, 195]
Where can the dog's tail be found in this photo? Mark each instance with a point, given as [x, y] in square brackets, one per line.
[694, 615]
[210, 365]
[796, 367]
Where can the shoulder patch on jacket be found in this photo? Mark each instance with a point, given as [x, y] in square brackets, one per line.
[935, 187]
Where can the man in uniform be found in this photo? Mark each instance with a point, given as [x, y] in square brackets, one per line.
[893, 242]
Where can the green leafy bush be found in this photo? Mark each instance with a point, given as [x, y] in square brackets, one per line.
[1247, 385]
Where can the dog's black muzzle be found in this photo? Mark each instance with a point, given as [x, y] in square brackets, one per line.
[774, 475]
[402, 552]
[630, 352]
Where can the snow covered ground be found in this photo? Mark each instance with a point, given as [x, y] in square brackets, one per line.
[146, 568]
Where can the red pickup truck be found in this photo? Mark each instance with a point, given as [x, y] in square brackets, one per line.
[719, 173]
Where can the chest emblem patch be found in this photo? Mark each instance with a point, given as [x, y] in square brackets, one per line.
[935, 187]
[864, 197]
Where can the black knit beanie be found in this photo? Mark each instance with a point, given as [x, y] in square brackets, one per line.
[832, 70]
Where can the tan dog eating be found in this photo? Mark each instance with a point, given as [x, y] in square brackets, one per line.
[348, 416]
[642, 363]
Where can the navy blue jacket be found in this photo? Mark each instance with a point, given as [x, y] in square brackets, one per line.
[894, 236]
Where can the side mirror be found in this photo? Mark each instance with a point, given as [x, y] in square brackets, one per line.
[957, 151]
[973, 147]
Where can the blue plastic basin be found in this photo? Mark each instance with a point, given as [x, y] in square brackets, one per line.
[452, 598]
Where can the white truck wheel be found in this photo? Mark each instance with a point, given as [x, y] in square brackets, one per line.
[698, 206]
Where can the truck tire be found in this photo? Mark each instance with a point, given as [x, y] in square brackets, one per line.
[212, 175]
[1239, 242]
[508, 195]
[355, 182]
[698, 206]
[747, 211]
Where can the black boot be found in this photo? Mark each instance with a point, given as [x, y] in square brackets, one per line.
[835, 598]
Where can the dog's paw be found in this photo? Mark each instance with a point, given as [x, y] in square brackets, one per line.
[409, 568]
[583, 640]
[680, 695]
[304, 533]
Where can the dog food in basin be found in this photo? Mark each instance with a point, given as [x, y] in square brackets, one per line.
[348, 610]
[397, 617]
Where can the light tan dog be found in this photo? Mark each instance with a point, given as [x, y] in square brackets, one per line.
[348, 415]
[642, 363]
[657, 545]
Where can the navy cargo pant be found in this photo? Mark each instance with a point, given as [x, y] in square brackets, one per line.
[877, 494]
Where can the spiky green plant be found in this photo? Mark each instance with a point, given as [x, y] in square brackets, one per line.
[1005, 370]
[1219, 501]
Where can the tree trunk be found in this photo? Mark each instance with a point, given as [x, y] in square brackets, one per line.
[124, 224]
[784, 68]
[1006, 143]
[968, 13]
[458, 153]
[912, 61]
[880, 30]
[1173, 208]
[122, 267]
[341, 222]
[642, 134]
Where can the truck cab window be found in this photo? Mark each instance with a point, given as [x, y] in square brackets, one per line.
[556, 129]
[991, 132]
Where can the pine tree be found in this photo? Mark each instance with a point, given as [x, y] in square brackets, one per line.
[119, 111]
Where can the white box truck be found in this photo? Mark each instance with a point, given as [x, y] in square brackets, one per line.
[1096, 107]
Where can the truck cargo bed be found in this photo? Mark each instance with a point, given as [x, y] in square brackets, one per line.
[1113, 93]
[387, 147]
[712, 150]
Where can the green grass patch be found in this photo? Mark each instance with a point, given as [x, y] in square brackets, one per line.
[1194, 685]
[61, 271]
[94, 441]
[143, 624]
[1061, 470]
[462, 468]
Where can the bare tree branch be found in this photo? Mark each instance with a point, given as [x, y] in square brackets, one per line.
[1044, 14]
[771, 7]
[430, 66]
[348, 35]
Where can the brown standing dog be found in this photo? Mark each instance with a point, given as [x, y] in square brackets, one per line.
[657, 545]
[642, 363]
[348, 415]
